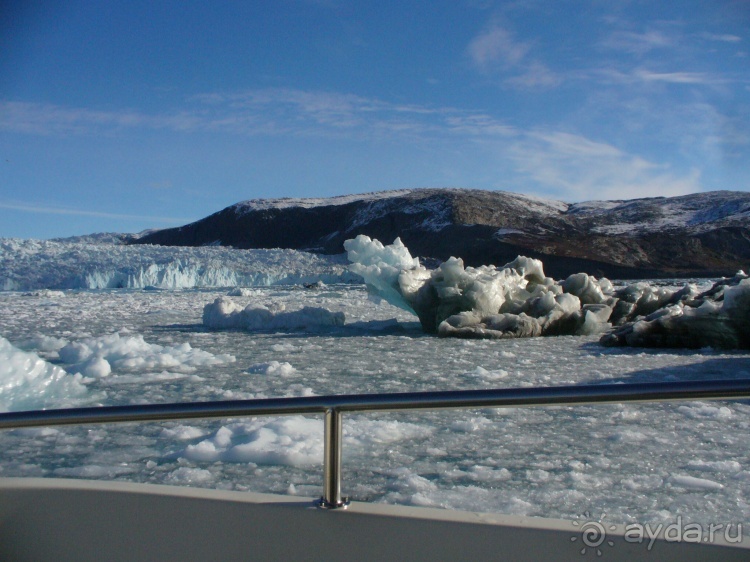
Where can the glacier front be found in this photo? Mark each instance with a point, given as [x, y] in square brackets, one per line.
[28, 265]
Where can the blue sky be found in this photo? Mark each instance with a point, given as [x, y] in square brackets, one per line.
[124, 115]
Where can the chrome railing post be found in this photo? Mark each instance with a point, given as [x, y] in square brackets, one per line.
[333, 423]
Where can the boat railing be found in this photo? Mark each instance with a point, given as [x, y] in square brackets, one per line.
[334, 407]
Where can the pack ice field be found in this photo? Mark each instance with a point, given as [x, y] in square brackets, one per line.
[636, 463]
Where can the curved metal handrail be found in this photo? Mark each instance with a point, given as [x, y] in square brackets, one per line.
[333, 407]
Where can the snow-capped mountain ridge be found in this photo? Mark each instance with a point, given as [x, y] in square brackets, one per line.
[700, 234]
[311, 202]
[681, 211]
[700, 211]
[412, 194]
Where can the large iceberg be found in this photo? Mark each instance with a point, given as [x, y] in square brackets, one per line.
[719, 317]
[518, 300]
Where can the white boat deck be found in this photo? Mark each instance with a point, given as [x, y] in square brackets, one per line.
[79, 520]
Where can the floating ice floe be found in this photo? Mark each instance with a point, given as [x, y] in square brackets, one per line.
[224, 313]
[97, 357]
[292, 441]
[518, 300]
[28, 382]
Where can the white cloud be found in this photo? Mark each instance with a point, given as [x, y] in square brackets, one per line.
[535, 76]
[495, 45]
[495, 49]
[567, 145]
[575, 168]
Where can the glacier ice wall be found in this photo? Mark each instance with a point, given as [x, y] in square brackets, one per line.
[27, 265]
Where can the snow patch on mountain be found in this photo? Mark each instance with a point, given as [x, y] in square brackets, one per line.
[244, 207]
[438, 210]
[699, 212]
[539, 205]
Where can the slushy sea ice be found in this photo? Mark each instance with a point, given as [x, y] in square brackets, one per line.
[628, 461]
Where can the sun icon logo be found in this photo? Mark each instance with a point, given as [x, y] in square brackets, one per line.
[593, 534]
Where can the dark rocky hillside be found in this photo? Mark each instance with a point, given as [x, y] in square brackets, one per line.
[705, 234]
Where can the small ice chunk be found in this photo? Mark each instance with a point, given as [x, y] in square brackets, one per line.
[273, 368]
[242, 292]
[97, 357]
[43, 343]
[93, 471]
[27, 382]
[628, 436]
[224, 314]
[292, 441]
[693, 482]
[702, 411]
[715, 466]
[585, 287]
[482, 373]
[182, 432]
[529, 268]
[185, 476]
[96, 367]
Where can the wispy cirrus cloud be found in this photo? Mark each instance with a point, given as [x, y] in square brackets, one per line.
[639, 43]
[552, 162]
[676, 77]
[48, 119]
[267, 112]
[41, 209]
[723, 37]
[479, 125]
[645, 75]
